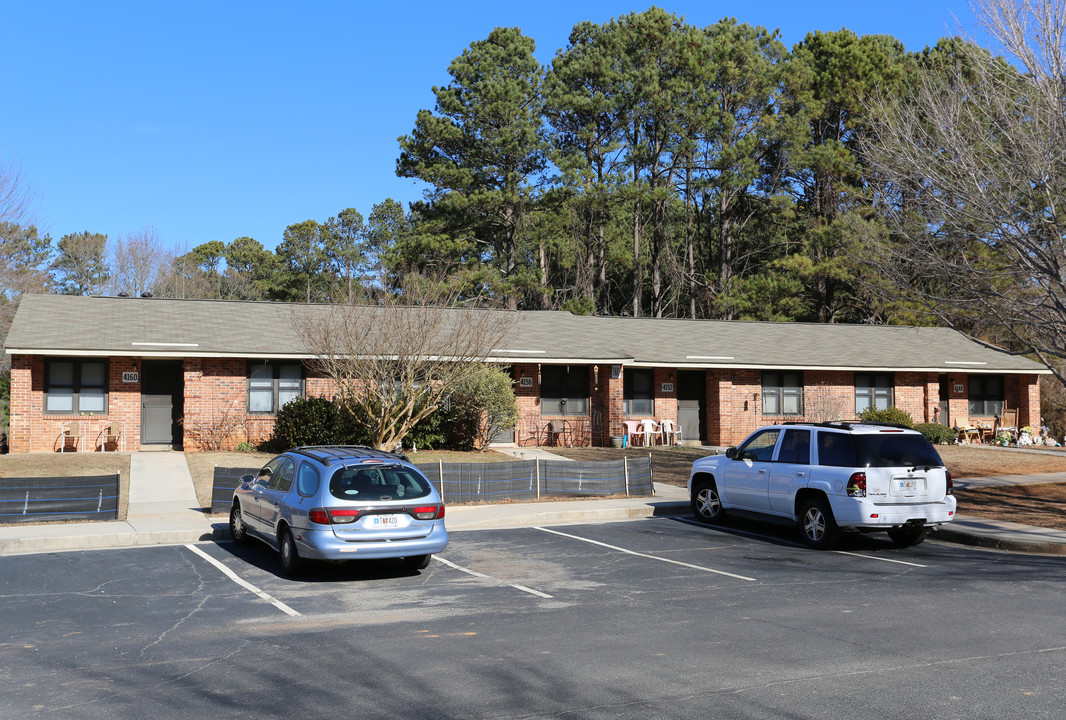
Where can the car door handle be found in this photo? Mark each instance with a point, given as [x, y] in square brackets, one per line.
[801, 474]
[762, 471]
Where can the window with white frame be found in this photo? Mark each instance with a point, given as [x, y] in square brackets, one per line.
[873, 390]
[75, 386]
[782, 393]
[271, 384]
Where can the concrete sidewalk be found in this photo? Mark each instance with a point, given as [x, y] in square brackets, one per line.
[163, 510]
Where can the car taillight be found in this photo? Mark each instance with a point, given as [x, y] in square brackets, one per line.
[857, 485]
[428, 512]
[951, 484]
[318, 515]
[341, 517]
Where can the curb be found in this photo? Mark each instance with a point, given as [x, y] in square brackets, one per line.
[558, 517]
[108, 541]
[998, 542]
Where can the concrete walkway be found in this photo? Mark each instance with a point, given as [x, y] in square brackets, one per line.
[163, 510]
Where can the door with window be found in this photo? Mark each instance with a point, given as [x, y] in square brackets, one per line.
[691, 399]
[162, 402]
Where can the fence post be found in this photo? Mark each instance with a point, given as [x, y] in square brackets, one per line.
[100, 501]
[26, 505]
[536, 462]
[440, 471]
[651, 477]
[625, 464]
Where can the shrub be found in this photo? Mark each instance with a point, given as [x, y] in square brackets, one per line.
[936, 433]
[315, 421]
[889, 415]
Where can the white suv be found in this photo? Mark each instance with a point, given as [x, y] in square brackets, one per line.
[828, 477]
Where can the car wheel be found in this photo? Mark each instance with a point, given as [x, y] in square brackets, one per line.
[819, 529]
[290, 556]
[706, 505]
[908, 536]
[237, 531]
[418, 562]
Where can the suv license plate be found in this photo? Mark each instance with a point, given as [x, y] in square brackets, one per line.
[385, 521]
[908, 485]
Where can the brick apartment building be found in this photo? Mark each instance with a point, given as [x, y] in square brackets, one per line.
[156, 369]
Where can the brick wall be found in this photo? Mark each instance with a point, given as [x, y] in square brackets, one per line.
[215, 394]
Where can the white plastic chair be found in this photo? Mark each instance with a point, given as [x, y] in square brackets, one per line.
[650, 429]
[671, 432]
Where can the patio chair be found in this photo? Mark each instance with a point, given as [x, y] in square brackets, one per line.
[555, 432]
[631, 433]
[113, 435]
[671, 432]
[74, 432]
[650, 428]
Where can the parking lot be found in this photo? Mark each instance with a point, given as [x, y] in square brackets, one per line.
[649, 618]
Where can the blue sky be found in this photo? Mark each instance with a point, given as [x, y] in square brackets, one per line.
[213, 120]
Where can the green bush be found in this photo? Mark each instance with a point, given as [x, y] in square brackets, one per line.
[890, 415]
[936, 433]
[315, 421]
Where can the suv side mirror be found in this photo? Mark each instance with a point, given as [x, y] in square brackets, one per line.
[731, 453]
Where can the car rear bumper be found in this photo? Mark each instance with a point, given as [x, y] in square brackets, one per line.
[325, 545]
[867, 514]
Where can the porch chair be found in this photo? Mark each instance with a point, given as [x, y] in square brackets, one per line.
[631, 433]
[650, 428]
[671, 432]
[113, 434]
[555, 432]
[74, 431]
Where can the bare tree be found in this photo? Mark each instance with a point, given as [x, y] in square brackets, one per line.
[15, 197]
[139, 263]
[970, 171]
[392, 362]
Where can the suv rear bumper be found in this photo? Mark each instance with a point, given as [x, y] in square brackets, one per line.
[864, 513]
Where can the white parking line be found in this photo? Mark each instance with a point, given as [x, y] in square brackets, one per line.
[243, 583]
[468, 571]
[872, 557]
[644, 555]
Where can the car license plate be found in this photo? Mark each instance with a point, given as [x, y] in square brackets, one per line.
[908, 485]
[385, 521]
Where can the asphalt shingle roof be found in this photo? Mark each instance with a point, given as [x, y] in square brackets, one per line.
[61, 324]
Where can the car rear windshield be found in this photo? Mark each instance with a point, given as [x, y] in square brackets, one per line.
[887, 449]
[378, 482]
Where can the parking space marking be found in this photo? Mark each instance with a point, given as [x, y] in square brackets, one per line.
[873, 557]
[645, 555]
[475, 573]
[244, 583]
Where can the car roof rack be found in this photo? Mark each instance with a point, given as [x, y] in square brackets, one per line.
[330, 454]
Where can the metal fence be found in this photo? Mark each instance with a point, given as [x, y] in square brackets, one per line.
[48, 499]
[495, 482]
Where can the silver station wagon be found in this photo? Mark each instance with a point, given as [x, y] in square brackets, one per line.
[340, 502]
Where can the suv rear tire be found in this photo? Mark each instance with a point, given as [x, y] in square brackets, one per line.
[706, 505]
[816, 522]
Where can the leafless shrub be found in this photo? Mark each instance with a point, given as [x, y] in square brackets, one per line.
[213, 432]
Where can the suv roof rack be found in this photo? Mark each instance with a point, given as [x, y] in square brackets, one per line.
[335, 453]
[836, 424]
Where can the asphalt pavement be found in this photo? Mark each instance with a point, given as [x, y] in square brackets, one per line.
[163, 510]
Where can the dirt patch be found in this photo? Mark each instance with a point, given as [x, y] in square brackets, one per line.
[1039, 505]
[71, 465]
